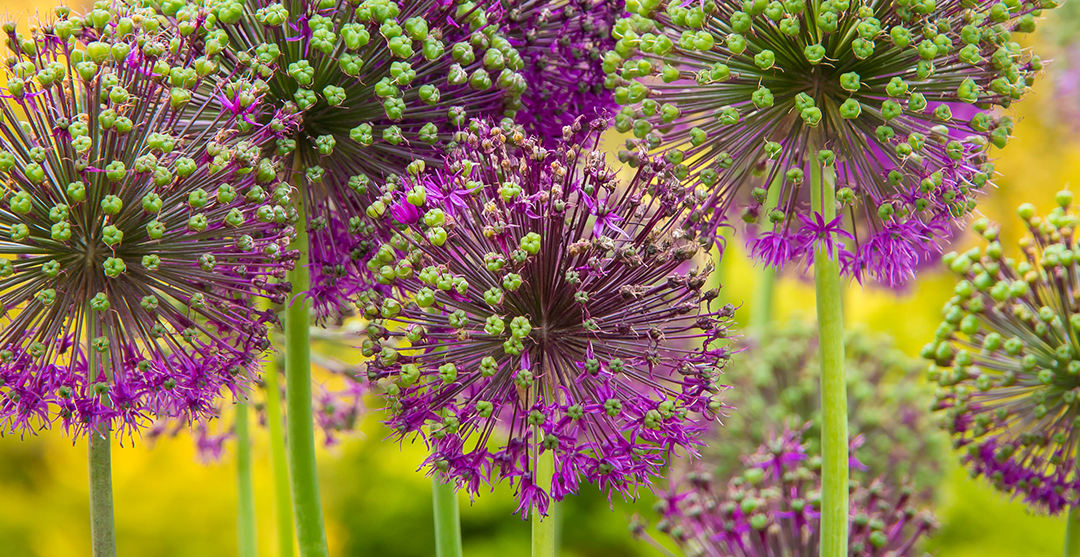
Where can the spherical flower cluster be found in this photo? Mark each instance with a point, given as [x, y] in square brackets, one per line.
[548, 311]
[133, 246]
[376, 85]
[562, 44]
[1008, 362]
[772, 508]
[776, 385]
[746, 93]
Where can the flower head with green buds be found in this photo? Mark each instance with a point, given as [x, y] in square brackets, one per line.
[376, 85]
[745, 94]
[132, 245]
[773, 508]
[1007, 359]
[776, 384]
[547, 311]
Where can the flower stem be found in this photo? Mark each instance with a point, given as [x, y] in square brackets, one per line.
[1072, 526]
[102, 526]
[1072, 532]
[761, 312]
[245, 491]
[299, 415]
[282, 495]
[834, 431]
[543, 528]
[102, 529]
[447, 519]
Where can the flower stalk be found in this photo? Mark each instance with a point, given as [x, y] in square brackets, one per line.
[102, 528]
[447, 518]
[280, 463]
[245, 527]
[299, 417]
[1072, 533]
[834, 434]
[543, 527]
[761, 313]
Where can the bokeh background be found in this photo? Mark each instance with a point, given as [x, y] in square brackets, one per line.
[169, 503]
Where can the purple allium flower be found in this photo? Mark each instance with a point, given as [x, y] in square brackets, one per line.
[339, 402]
[1006, 358]
[776, 384]
[562, 44]
[772, 508]
[376, 86]
[743, 94]
[338, 398]
[526, 328]
[134, 245]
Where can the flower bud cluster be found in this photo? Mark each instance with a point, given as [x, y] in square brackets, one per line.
[133, 245]
[1007, 359]
[541, 307]
[773, 508]
[743, 95]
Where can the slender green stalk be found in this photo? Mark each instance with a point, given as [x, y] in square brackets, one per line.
[761, 312]
[555, 514]
[447, 519]
[1072, 527]
[102, 526]
[299, 417]
[245, 490]
[834, 431]
[543, 528]
[279, 461]
[1072, 533]
[102, 529]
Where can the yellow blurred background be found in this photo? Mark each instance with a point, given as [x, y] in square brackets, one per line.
[169, 504]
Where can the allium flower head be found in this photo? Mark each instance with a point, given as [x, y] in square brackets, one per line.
[133, 245]
[376, 84]
[562, 44]
[772, 508]
[900, 92]
[1007, 360]
[776, 384]
[548, 308]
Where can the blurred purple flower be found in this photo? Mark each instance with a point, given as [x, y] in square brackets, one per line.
[562, 43]
[772, 508]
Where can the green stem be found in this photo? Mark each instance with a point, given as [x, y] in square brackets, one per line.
[447, 519]
[245, 490]
[282, 495]
[299, 416]
[102, 525]
[102, 529]
[543, 528]
[834, 431]
[1072, 532]
[761, 312]
[1072, 526]
[555, 514]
